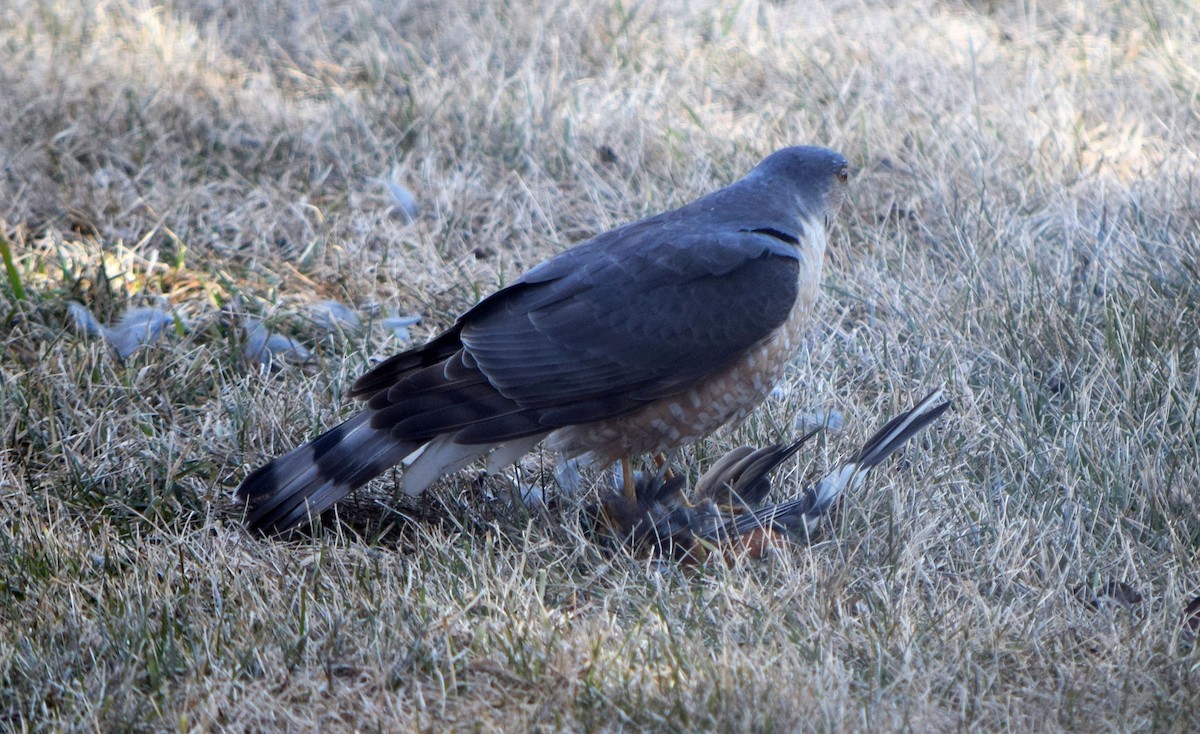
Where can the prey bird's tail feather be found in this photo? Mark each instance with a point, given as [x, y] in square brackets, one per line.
[800, 513]
[310, 479]
[898, 430]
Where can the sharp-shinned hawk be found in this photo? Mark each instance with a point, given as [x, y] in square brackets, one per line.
[639, 340]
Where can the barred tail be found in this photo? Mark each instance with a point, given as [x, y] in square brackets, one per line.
[310, 479]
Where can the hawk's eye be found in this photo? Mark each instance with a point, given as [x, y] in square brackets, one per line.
[843, 174]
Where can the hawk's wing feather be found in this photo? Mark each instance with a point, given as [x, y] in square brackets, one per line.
[387, 373]
[649, 326]
[568, 344]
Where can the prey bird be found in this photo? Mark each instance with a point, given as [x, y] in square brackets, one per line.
[726, 512]
[799, 517]
[639, 340]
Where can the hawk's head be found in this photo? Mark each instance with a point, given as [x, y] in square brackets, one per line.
[806, 177]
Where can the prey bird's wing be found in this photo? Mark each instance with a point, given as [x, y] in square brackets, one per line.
[740, 480]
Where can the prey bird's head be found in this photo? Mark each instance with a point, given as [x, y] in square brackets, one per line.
[805, 181]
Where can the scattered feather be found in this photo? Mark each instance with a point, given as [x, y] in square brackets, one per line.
[334, 316]
[84, 320]
[830, 420]
[152, 320]
[126, 338]
[403, 204]
[137, 327]
[399, 325]
[279, 345]
[264, 347]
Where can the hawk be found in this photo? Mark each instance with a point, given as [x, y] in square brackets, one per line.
[639, 340]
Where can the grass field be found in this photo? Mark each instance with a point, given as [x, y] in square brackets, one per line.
[1022, 226]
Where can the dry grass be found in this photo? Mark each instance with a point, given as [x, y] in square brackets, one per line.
[1023, 226]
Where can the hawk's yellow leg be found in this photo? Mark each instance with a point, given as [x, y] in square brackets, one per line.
[630, 485]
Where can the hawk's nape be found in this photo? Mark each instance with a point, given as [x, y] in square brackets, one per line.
[638, 340]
